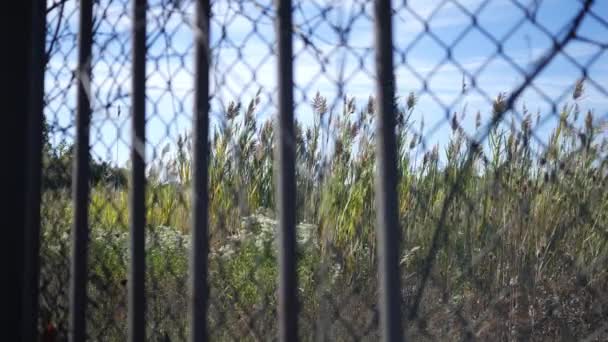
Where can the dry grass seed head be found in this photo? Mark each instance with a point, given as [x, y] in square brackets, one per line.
[579, 89]
[233, 110]
[499, 106]
[319, 104]
[411, 101]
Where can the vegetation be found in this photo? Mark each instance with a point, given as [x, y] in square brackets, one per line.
[503, 240]
[58, 163]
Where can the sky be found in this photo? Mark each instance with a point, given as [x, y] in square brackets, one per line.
[336, 60]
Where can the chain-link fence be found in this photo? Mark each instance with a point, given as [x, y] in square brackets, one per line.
[500, 179]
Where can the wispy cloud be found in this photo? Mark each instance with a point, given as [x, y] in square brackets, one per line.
[333, 61]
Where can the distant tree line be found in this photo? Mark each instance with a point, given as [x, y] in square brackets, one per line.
[58, 166]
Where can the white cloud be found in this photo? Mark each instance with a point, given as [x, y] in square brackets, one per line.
[238, 81]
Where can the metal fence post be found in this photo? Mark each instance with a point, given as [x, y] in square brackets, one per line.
[137, 272]
[200, 243]
[386, 178]
[34, 173]
[80, 181]
[286, 183]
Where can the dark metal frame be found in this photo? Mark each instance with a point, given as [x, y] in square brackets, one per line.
[34, 173]
[200, 240]
[286, 180]
[81, 175]
[136, 281]
[386, 179]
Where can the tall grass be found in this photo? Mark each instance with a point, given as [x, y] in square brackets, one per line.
[492, 232]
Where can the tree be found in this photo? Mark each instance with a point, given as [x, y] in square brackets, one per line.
[58, 165]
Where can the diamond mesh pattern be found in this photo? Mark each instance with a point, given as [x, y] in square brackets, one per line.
[502, 143]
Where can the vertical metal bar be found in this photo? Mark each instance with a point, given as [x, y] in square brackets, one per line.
[137, 271]
[80, 180]
[200, 243]
[386, 178]
[286, 183]
[34, 173]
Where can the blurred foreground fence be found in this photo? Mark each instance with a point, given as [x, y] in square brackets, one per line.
[320, 170]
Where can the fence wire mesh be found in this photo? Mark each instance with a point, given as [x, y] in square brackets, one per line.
[502, 111]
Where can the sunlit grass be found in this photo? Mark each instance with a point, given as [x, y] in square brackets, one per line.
[522, 213]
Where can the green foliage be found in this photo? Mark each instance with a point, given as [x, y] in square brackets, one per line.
[58, 165]
[519, 205]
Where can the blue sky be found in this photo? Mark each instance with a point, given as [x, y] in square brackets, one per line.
[340, 63]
